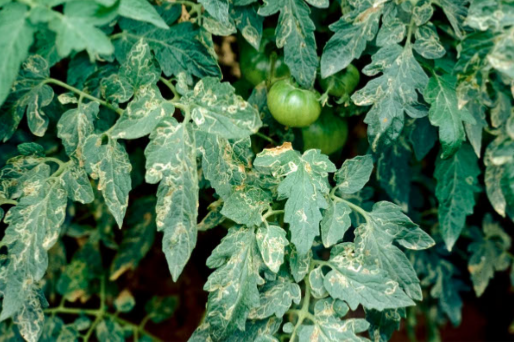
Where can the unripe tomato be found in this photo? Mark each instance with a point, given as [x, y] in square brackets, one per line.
[293, 106]
[327, 134]
[255, 65]
[341, 83]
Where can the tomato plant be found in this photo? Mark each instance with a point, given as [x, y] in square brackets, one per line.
[246, 170]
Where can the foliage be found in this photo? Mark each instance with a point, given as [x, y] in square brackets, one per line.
[126, 114]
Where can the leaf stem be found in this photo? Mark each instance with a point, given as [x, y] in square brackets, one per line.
[101, 313]
[83, 94]
[62, 166]
[168, 84]
[7, 201]
[272, 61]
[265, 137]
[269, 213]
[184, 108]
[409, 32]
[353, 206]
[55, 160]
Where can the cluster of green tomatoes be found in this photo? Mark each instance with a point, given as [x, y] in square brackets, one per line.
[293, 106]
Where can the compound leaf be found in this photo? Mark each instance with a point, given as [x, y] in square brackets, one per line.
[304, 186]
[374, 241]
[356, 284]
[392, 94]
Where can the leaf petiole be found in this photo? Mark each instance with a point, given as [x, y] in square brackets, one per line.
[102, 313]
[83, 94]
[353, 206]
[170, 85]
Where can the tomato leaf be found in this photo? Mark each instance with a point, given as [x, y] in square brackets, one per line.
[456, 185]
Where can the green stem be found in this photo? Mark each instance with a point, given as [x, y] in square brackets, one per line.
[409, 32]
[265, 137]
[321, 263]
[8, 201]
[101, 313]
[73, 311]
[135, 327]
[303, 313]
[62, 166]
[272, 61]
[84, 94]
[176, 96]
[55, 160]
[185, 109]
[118, 35]
[271, 213]
[353, 206]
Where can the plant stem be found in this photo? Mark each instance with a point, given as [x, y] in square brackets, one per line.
[83, 94]
[303, 313]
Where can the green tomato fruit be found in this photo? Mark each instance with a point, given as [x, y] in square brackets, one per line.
[255, 65]
[293, 106]
[342, 83]
[327, 134]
